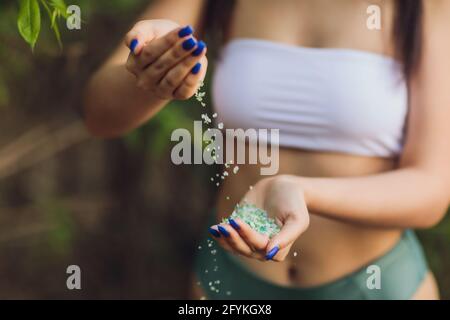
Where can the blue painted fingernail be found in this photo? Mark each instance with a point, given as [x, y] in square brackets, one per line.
[189, 44]
[272, 253]
[200, 47]
[185, 31]
[133, 45]
[214, 232]
[196, 68]
[234, 224]
[224, 231]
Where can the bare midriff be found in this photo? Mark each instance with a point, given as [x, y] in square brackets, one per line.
[329, 249]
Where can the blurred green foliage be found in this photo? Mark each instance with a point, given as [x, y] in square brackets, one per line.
[61, 234]
[29, 18]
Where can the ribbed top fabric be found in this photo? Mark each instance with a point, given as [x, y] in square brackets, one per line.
[321, 99]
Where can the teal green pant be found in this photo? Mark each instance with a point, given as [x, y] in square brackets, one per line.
[402, 269]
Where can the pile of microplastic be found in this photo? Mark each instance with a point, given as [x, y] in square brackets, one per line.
[256, 218]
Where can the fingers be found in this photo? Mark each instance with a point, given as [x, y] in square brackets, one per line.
[139, 35]
[254, 239]
[172, 57]
[279, 245]
[176, 76]
[215, 233]
[135, 41]
[239, 237]
[280, 254]
[232, 240]
[177, 73]
[172, 43]
[146, 50]
[170, 65]
[192, 80]
[165, 83]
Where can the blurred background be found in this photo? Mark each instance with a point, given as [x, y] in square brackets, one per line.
[105, 205]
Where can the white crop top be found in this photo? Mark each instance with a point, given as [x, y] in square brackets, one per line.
[336, 100]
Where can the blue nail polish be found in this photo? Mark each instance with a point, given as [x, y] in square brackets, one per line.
[185, 31]
[196, 68]
[200, 47]
[224, 231]
[234, 224]
[189, 44]
[214, 232]
[133, 45]
[272, 253]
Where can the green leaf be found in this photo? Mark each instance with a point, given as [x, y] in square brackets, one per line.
[47, 8]
[53, 16]
[29, 21]
[57, 34]
[60, 6]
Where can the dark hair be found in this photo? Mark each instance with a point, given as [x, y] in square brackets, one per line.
[407, 29]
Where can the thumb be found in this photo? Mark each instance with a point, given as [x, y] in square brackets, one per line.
[292, 228]
[138, 37]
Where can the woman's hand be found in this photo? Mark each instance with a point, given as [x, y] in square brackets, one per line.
[166, 59]
[283, 199]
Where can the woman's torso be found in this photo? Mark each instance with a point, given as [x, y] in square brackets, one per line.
[329, 248]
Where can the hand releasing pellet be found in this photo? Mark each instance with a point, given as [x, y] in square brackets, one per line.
[171, 64]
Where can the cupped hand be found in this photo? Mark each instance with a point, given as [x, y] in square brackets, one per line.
[283, 199]
[166, 59]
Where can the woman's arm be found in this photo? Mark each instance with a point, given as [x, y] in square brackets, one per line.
[418, 193]
[114, 102]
